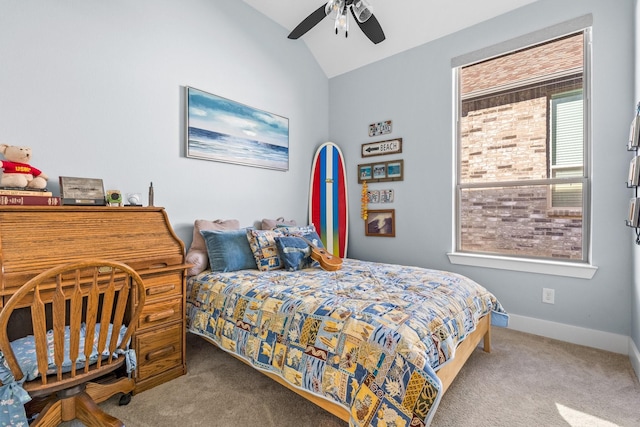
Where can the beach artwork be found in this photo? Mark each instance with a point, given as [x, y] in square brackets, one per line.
[222, 130]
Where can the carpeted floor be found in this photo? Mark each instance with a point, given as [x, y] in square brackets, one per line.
[526, 380]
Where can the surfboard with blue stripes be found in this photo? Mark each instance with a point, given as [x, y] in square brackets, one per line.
[328, 202]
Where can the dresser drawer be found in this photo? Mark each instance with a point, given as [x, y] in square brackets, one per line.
[162, 286]
[160, 312]
[159, 350]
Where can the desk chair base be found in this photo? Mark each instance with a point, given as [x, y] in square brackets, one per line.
[80, 403]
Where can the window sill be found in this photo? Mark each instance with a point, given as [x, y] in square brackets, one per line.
[556, 268]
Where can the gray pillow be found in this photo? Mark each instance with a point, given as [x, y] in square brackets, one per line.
[268, 224]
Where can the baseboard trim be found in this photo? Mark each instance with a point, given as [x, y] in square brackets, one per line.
[634, 356]
[574, 334]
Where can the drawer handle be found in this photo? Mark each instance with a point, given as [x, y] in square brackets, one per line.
[158, 354]
[160, 315]
[159, 265]
[160, 289]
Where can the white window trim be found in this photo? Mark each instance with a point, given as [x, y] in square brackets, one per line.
[528, 265]
[582, 270]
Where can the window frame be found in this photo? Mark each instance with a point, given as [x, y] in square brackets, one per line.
[572, 268]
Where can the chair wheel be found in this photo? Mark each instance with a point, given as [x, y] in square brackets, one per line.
[125, 399]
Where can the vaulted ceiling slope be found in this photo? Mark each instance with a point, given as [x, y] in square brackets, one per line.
[406, 24]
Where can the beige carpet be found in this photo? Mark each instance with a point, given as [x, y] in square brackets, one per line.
[525, 381]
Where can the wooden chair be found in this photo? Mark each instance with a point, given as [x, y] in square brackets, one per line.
[74, 301]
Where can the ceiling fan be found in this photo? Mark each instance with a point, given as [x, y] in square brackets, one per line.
[337, 10]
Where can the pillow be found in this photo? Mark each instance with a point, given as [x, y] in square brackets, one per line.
[268, 224]
[308, 232]
[199, 261]
[263, 246]
[294, 252]
[228, 250]
[197, 254]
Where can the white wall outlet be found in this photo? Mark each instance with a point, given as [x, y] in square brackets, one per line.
[548, 295]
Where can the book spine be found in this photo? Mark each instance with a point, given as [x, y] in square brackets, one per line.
[29, 201]
[26, 193]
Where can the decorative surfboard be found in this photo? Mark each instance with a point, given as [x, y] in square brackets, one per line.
[328, 202]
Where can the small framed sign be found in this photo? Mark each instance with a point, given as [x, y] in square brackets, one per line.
[82, 191]
[380, 196]
[391, 146]
[380, 128]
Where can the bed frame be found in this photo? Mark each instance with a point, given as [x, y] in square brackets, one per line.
[446, 374]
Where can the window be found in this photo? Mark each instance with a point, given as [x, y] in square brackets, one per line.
[522, 176]
[567, 152]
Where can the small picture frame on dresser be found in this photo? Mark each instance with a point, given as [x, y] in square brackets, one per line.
[82, 191]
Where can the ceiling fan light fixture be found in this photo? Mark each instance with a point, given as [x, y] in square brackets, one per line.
[362, 10]
[333, 8]
[342, 22]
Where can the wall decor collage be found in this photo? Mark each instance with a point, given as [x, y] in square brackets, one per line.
[380, 222]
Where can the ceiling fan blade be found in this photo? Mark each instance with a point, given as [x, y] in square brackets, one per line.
[308, 23]
[371, 28]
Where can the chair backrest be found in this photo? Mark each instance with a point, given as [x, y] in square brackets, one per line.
[76, 300]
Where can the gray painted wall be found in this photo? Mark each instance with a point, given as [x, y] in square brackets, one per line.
[96, 89]
[414, 89]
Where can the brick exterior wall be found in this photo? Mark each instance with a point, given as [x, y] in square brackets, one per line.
[504, 137]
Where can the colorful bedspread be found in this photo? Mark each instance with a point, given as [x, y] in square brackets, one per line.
[369, 336]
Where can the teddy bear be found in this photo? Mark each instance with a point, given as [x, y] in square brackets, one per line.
[16, 169]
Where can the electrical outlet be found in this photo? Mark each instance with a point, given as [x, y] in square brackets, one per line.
[548, 295]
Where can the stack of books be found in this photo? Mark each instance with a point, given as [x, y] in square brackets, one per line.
[26, 197]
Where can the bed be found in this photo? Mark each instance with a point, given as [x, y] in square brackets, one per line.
[375, 344]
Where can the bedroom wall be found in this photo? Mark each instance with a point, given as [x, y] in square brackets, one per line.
[414, 90]
[96, 89]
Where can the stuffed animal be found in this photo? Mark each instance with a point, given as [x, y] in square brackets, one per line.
[17, 171]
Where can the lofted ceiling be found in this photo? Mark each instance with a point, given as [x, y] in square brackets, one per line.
[406, 24]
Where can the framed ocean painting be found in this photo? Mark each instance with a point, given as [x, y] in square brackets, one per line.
[223, 130]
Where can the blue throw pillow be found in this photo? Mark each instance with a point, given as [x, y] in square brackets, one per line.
[228, 250]
[294, 252]
[308, 232]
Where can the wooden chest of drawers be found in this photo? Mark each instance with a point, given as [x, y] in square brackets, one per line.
[35, 238]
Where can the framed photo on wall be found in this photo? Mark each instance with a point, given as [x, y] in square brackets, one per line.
[365, 173]
[379, 171]
[380, 223]
[392, 170]
[223, 130]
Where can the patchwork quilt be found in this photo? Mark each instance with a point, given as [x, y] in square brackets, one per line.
[369, 336]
